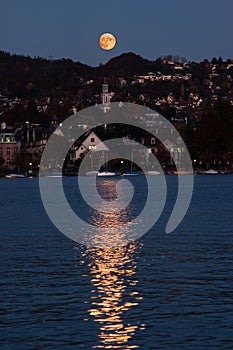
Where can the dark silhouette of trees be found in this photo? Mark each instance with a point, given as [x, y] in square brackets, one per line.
[214, 60]
[213, 138]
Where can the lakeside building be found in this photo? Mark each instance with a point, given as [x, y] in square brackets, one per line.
[22, 147]
[9, 148]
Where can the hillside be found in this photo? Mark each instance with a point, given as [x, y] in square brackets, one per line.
[21, 75]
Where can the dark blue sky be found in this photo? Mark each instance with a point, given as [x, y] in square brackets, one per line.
[70, 28]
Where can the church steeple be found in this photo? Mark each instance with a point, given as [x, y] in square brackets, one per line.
[105, 96]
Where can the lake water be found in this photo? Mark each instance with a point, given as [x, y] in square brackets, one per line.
[164, 291]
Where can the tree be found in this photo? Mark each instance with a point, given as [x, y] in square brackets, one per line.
[214, 133]
[16, 115]
[163, 154]
[32, 112]
[183, 60]
[168, 57]
[176, 59]
[214, 60]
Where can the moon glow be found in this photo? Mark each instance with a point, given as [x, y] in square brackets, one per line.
[107, 41]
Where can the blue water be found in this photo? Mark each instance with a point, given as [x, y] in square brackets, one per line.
[164, 291]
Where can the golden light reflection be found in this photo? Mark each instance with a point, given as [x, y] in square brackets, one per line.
[113, 227]
[113, 275]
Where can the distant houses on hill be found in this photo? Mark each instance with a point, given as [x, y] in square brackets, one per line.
[196, 98]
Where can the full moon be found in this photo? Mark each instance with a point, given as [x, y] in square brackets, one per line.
[107, 41]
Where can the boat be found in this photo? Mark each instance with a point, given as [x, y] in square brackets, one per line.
[132, 173]
[53, 175]
[152, 172]
[103, 168]
[211, 172]
[182, 172]
[15, 176]
[91, 173]
[105, 173]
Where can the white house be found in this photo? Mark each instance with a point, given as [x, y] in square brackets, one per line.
[89, 142]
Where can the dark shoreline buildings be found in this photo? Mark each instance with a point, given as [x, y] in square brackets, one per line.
[197, 98]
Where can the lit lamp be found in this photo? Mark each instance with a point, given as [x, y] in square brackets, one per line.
[122, 162]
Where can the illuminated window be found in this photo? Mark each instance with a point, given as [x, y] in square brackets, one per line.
[153, 140]
[92, 147]
[8, 161]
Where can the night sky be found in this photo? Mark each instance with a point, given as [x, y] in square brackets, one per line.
[70, 28]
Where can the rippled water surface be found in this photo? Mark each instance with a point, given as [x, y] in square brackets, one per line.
[164, 291]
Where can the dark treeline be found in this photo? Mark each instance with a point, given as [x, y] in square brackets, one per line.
[25, 76]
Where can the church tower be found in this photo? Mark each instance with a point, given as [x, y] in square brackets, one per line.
[105, 96]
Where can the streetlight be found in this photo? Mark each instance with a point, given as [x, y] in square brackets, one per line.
[122, 162]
